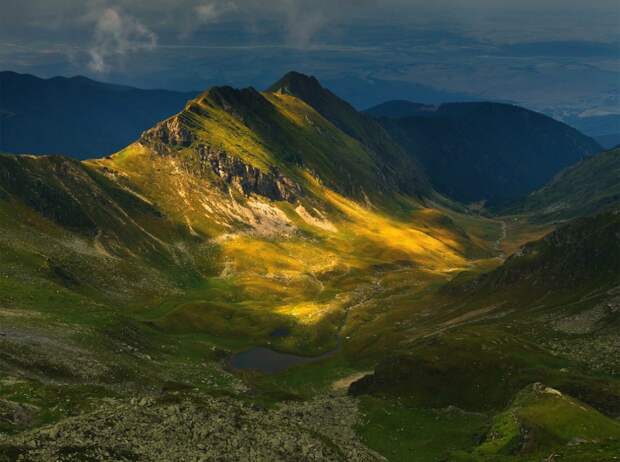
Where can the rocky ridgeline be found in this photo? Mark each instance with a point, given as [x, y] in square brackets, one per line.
[173, 134]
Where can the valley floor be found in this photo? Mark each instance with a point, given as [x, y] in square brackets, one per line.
[99, 383]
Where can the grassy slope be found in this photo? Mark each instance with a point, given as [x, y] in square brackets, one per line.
[153, 270]
[304, 274]
[141, 236]
[541, 422]
[269, 130]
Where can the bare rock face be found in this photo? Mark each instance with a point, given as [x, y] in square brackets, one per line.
[16, 414]
[167, 135]
[246, 178]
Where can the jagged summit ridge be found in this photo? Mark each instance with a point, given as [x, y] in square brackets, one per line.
[297, 129]
[398, 166]
[177, 137]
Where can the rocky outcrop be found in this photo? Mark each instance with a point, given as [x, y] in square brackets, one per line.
[248, 179]
[16, 414]
[168, 135]
[174, 134]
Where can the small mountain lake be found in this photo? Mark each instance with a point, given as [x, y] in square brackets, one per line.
[270, 362]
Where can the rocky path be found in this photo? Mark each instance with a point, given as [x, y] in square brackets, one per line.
[504, 233]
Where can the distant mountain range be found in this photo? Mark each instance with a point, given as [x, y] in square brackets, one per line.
[484, 151]
[76, 116]
[605, 129]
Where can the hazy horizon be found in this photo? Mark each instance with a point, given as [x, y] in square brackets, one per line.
[530, 53]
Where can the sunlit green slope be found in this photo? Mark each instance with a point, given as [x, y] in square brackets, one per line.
[284, 219]
[244, 204]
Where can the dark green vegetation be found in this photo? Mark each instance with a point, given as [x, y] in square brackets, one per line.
[286, 220]
[484, 151]
[77, 116]
[549, 314]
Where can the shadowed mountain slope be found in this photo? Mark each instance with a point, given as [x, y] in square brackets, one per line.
[582, 252]
[484, 151]
[565, 284]
[394, 161]
[588, 187]
[77, 116]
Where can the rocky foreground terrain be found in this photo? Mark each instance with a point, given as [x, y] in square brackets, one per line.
[173, 427]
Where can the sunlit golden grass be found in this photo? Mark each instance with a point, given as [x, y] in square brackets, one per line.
[439, 251]
[309, 279]
[322, 255]
[271, 257]
[309, 312]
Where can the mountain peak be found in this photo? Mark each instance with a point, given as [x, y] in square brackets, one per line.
[297, 84]
[356, 125]
[309, 90]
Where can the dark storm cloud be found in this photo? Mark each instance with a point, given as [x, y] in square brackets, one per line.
[301, 21]
[106, 31]
[521, 50]
[101, 33]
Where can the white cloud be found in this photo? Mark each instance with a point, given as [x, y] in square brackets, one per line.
[115, 35]
[303, 24]
[212, 11]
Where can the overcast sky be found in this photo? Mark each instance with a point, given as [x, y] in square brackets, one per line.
[482, 48]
